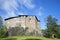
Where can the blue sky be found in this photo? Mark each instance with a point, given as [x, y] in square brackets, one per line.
[40, 8]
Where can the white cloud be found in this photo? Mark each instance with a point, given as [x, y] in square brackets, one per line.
[21, 14]
[27, 3]
[39, 11]
[11, 5]
[10, 15]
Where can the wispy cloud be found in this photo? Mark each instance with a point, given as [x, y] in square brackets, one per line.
[21, 13]
[10, 14]
[10, 6]
[39, 11]
[27, 3]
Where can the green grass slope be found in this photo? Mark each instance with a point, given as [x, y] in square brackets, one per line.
[27, 38]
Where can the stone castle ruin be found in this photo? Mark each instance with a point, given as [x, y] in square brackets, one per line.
[24, 21]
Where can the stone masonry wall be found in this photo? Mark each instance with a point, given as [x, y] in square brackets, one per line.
[25, 21]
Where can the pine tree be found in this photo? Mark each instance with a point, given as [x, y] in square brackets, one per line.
[51, 26]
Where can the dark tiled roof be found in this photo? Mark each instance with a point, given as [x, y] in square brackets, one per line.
[20, 16]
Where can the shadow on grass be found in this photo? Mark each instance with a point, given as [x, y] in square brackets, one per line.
[10, 39]
[32, 39]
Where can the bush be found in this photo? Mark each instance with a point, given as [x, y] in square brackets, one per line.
[2, 33]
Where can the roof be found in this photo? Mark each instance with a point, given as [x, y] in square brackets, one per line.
[20, 16]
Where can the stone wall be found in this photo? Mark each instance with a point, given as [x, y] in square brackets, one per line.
[24, 21]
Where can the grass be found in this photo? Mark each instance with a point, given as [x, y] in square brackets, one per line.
[27, 38]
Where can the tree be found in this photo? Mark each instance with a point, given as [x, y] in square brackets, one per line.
[57, 30]
[2, 31]
[1, 22]
[51, 26]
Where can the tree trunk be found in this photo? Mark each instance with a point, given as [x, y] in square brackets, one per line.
[53, 35]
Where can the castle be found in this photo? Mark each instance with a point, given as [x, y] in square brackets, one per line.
[24, 21]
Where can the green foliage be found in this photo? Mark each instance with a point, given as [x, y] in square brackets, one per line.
[57, 30]
[51, 26]
[2, 32]
[3, 28]
[1, 22]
